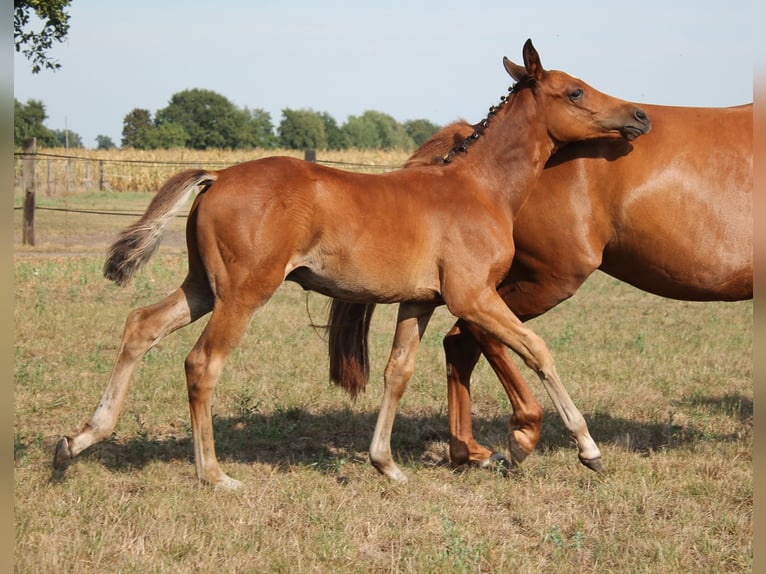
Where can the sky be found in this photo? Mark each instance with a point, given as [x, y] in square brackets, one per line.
[417, 59]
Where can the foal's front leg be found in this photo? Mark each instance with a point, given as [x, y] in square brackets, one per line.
[411, 323]
[462, 347]
[488, 311]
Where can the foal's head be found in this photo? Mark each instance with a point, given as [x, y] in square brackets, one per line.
[571, 109]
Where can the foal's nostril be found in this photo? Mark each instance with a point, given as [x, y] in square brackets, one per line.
[640, 115]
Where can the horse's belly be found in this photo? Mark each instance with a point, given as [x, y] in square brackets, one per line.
[357, 287]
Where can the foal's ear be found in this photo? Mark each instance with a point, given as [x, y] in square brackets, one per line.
[532, 67]
[532, 60]
[517, 72]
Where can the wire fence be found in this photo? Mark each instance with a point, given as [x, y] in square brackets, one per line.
[60, 173]
[56, 181]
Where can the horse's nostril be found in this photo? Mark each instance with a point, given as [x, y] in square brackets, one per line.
[640, 115]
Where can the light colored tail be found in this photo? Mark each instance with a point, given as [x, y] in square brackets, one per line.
[136, 244]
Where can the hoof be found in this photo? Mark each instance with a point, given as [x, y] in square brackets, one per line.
[396, 476]
[63, 454]
[496, 462]
[518, 453]
[229, 484]
[390, 471]
[593, 463]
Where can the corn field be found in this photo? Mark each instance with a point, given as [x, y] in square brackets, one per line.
[59, 171]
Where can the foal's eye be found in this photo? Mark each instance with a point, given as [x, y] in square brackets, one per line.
[575, 95]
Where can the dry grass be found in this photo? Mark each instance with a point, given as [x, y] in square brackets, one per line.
[666, 387]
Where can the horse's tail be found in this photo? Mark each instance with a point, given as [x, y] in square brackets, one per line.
[348, 327]
[136, 244]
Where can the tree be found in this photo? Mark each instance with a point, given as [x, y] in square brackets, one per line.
[361, 134]
[259, 131]
[336, 138]
[209, 119]
[302, 129]
[68, 138]
[34, 44]
[104, 142]
[168, 136]
[139, 131]
[420, 130]
[136, 126]
[376, 130]
[28, 121]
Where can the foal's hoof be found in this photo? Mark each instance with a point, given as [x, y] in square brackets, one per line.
[229, 484]
[63, 454]
[593, 463]
[497, 463]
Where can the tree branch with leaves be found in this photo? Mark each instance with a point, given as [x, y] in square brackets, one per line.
[33, 42]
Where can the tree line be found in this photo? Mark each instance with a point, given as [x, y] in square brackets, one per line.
[204, 119]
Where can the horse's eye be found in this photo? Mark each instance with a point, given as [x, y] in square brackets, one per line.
[575, 95]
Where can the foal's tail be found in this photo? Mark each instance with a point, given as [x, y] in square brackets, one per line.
[136, 244]
[348, 327]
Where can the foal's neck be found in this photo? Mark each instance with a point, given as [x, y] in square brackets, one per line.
[511, 154]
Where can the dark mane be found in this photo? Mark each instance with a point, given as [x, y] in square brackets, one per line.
[440, 144]
[456, 137]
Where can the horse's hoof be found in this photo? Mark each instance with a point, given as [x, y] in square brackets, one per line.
[396, 476]
[63, 454]
[496, 462]
[518, 453]
[593, 463]
[228, 483]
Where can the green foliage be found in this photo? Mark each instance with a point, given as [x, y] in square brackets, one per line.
[420, 130]
[28, 122]
[376, 130]
[202, 119]
[68, 138]
[259, 131]
[336, 137]
[209, 119]
[302, 129]
[198, 119]
[140, 132]
[34, 44]
[135, 128]
[104, 142]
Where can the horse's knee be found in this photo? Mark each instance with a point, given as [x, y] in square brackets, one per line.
[201, 373]
[399, 371]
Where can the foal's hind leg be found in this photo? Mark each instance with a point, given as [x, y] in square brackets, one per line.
[144, 328]
[489, 312]
[410, 326]
[203, 369]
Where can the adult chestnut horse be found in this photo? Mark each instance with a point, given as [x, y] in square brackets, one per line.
[673, 217]
[423, 237]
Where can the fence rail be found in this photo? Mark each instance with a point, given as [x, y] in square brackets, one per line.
[56, 174]
[60, 173]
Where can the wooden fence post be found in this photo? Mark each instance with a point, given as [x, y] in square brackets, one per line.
[310, 155]
[29, 148]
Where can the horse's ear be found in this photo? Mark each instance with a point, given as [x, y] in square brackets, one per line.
[517, 72]
[532, 66]
[532, 60]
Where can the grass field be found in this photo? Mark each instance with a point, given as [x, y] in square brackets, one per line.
[666, 387]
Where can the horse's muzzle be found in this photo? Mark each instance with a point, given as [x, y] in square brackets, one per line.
[639, 125]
